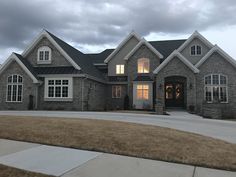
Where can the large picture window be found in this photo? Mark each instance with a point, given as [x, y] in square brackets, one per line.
[116, 91]
[143, 65]
[14, 88]
[142, 92]
[216, 89]
[58, 88]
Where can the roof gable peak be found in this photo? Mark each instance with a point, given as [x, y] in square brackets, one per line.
[195, 34]
[131, 34]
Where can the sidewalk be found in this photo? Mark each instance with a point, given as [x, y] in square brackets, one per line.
[66, 162]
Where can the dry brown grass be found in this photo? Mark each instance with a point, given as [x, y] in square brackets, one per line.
[130, 139]
[13, 172]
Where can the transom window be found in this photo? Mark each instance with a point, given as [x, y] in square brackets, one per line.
[116, 91]
[196, 50]
[44, 55]
[120, 69]
[58, 88]
[14, 88]
[142, 92]
[216, 89]
[143, 65]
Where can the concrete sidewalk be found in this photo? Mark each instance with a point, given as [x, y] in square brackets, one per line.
[66, 162]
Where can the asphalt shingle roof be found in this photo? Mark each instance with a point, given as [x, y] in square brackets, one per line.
[79, 58]
[143, 78]
[56, 70]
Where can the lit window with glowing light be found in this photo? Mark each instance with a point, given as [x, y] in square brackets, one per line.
[142, 92]
[120, 69]
[143, 65]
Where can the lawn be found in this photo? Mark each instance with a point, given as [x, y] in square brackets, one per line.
[13, 172]
[151, 142]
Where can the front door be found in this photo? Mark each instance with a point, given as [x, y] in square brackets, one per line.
[174, 94]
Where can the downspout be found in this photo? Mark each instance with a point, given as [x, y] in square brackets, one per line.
[82, 92]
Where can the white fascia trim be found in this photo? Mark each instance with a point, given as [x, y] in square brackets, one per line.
[44, 33]
[132, 34]
[196, 34]
[14, 57]
[221, 52]
[143, 41]
[181, 57]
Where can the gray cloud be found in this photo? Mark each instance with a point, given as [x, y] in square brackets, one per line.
[100, 22]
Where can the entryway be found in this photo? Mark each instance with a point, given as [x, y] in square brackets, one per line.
[175, 93]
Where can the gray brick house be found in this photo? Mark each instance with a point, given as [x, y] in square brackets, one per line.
[153, 75]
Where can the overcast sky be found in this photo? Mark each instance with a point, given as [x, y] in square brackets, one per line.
[93, 25]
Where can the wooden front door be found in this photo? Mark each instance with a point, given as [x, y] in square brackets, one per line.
[174, 94]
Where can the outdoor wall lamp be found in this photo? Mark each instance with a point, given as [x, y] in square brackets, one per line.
[160, 86]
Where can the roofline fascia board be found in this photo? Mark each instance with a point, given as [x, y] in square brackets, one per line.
[143, 41]
[196, 34]
[175, 53]
[44, 33]
[15, 58]
[221, 52]
[132, 34]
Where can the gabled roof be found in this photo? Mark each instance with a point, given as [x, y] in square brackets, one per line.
[196, 34]
[132, 34]
[25, 65]
[51, 38]
[79, 58]
[166, 47]
[221, 52]
[143, 42]
[56, 70]
[100, 57]
[179, 56]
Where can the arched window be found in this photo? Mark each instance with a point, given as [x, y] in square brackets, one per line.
[216, 88]
[196, 50]
[44, 55]
[14, 88]
[143, 65]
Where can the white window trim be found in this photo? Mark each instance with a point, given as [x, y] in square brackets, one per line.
[22, 96]
[147, 59]
[115, 86]
[218, 85]
[44, 49]
[120, 65]
[70, 90]
[196, 55]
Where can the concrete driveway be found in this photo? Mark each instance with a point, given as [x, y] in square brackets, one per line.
[224, 130]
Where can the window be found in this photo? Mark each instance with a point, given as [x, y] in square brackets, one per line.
[44, 55]
[216, 89]
[143, 65]
[116, 91]
[196, 50]
[142, 92]
[14, 88]
[120, 69]
[58, 88]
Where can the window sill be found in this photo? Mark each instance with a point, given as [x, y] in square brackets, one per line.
[44, 62]
[59, 99]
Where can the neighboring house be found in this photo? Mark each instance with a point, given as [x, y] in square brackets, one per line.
[52, 75]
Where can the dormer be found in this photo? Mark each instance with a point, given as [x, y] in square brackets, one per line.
[44, 55]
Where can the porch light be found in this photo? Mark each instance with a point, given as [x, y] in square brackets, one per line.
[160, 86]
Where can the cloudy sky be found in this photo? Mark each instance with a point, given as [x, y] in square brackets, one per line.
[93, 25]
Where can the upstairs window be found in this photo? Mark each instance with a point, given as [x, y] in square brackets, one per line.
[143, 65]
[44, 55]
[120, 69]
[14, 88]
[196, 50]
[216, 89]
